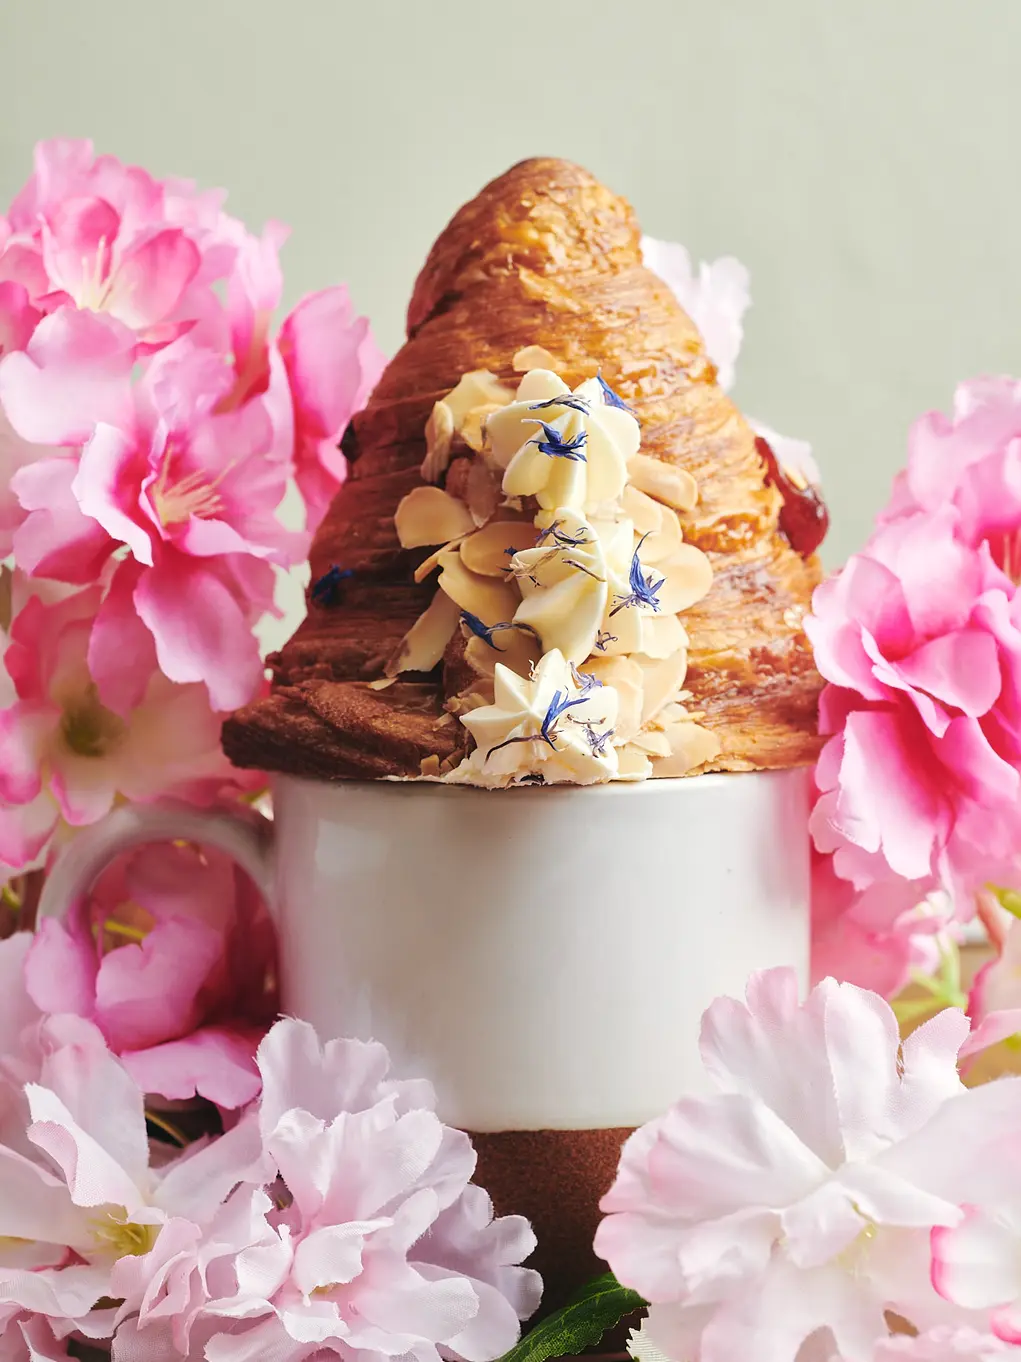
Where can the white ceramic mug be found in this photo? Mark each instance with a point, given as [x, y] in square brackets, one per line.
[543, 955]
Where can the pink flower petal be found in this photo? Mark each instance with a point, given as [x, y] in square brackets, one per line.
[150, 279]
[108, 469]
[214, 1062]
[122, 655]
[60, 968]
[78, 236]
[56, 539]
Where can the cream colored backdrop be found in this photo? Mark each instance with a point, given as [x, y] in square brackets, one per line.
[862, 158]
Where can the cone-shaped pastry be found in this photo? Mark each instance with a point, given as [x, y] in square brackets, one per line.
[644, 549]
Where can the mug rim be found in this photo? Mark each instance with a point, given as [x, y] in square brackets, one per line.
[708, 782]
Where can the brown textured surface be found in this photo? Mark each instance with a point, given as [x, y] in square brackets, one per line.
[544, 255]
[555, 1178]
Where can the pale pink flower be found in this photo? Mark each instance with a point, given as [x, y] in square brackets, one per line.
[976, 1263]
[945, 1344]
[171, 958]
[920, 638]
[29, 1338]
[94, 1193]
[66, 756]
[994, 1003]
[332, 365]
[800, 1195]
[716, 299]
[381, 1246]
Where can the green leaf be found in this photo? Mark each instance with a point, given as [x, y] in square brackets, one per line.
[580, 1324]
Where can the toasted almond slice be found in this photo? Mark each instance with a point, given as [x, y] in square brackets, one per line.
[632, 764]
[428, 515]
[476, 389]
[430, 564]
[665, 540]
[646, 513]
[663, 482]
[514, 649]
[533, 357]
[473, 427]
[481, 492]
[485, 551]
[662, 635]
[653, 742]
[625, 676]
[382, 683]
[689, 575]
[691, 746]
[430, 766]
[424, 643]
[492, 601]
[662, 680]
[439, 432]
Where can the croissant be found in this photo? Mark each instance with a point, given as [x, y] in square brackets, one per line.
[541, 271]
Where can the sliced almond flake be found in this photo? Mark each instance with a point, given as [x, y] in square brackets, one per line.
[448, 764]
[691, 746]
[425, 642]
[662, 636]
[430, 766]
[464, 704]
[382, 683]
[492, 601]
[473, 428]
[662, 680]
[653, 742]
[625, 676]
[485, 551]
[439, 433]
[430, 564]
[428, 515]
[646, 513]
[444, 721]
[534, 357]
[689, 575]
[632, 764]
[476, 389]
[665, 540]
[663, 482]
[514, 649]
[482, 493]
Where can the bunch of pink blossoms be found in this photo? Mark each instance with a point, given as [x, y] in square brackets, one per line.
[919, 638]
[335, 1217]
[151, 421]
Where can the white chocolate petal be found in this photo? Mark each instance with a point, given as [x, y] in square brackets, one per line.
[621, 427]
[653, 742]
[663, 481]
[689, 575]
[662, 680]
[428, 515]
[566, 615]
[476, 389]
[492, 601]
[691, 746]
[607, 463]
[425, 642]
[661, 636]
[439, 432]
[485, 551]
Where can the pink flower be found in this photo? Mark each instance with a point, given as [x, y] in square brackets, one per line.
[381, 1246]
[799, 1196]
[93, 1193]
[919, 637]
[878, 936]
[977, 1262]
[994, 1003]
[946, 1344]
[171, 959]
[65, 756]
[30, 1338]
[332, 365]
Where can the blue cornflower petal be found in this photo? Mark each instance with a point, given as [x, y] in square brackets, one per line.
[557, 447]
[326, 589]
[611, 398]
[568, 400]
[585, 681]
[603, 638]
[644, 591]
[486, 631]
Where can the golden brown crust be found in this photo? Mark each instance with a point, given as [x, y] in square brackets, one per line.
[544, 255]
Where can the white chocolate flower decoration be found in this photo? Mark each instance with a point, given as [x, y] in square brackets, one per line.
[564, 448]
[556, 725]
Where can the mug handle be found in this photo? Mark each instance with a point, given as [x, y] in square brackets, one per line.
[248, 842]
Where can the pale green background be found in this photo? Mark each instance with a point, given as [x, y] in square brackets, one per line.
[862, 159]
